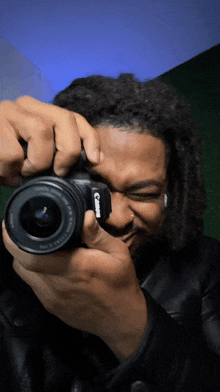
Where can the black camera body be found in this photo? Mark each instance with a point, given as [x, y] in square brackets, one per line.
[46, 213]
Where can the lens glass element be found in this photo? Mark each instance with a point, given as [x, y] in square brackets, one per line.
[40, 216]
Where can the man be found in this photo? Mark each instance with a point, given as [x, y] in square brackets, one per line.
[137, 309]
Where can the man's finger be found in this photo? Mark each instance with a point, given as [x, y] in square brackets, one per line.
[90, 139]
[95, 237]
[77, 132]
[69, 129]
[39, 155]
[54, 263]
[11, 159]
[12, 248]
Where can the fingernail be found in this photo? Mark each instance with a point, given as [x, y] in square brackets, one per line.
[96, 155]
[26, 173]
[62, 172]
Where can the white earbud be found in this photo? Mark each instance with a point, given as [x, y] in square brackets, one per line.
[165, 200]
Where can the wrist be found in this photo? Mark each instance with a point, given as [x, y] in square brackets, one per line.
[129, 330]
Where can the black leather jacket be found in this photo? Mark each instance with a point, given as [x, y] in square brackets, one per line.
[179, 352]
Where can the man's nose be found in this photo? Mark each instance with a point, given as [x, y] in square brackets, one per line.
[122, 214]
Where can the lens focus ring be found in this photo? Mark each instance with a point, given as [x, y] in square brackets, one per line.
[44, 214]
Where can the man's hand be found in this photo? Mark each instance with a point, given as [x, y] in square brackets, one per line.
[42, 126]
[93, 289]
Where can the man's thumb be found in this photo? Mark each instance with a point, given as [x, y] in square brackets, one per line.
[95, 237]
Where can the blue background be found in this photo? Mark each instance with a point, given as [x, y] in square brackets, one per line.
[45, 44]
[68, 39]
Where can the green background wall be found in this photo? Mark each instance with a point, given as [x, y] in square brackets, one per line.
[198, 80]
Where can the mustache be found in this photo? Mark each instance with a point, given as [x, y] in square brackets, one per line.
[143, 238]
[129, 229]
[141, 232]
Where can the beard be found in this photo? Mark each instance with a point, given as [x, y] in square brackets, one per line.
[144, 239]
[145, 248]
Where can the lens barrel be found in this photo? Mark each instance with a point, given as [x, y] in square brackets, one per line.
[45, 214]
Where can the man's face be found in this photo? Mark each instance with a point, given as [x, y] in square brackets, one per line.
[134, 168]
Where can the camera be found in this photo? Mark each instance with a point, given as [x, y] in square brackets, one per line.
[46, 213]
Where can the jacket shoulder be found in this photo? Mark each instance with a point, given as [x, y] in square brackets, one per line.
[208, 250]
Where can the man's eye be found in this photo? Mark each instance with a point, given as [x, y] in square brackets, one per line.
[143, 196]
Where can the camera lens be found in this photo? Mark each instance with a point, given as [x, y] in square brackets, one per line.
[40, 216]
[46, 214]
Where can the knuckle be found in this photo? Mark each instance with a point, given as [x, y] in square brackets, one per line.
[39, 125]
[6, 105]
[83, 124]
[63, 114]
[23, 100]
[51, 303]
[75, 116]
[81, 120]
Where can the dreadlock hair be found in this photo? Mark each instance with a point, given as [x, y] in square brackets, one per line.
[151, 107]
